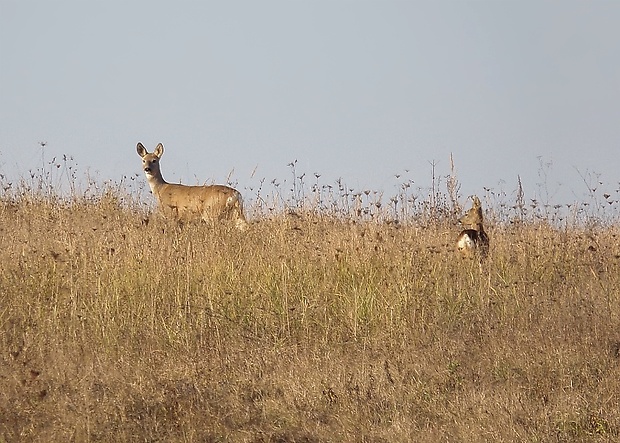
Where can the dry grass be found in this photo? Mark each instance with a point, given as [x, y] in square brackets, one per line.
[116, 325]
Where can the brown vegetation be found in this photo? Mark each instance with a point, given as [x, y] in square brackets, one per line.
[117, 325]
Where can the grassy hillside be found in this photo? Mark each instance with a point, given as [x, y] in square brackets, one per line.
[320, 324]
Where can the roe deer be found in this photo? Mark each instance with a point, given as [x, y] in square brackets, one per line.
[473, 239]
[209, 203]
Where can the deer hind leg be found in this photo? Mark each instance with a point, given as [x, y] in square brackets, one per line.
[237, 212]
[234, 211]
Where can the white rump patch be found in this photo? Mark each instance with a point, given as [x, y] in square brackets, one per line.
[465, 242]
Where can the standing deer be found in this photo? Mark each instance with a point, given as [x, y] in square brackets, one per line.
[209, 203]
[473, 239]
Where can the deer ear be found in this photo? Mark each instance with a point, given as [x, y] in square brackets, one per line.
[159, 150]
[141, 150]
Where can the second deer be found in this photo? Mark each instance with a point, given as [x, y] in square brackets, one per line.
[473, 240]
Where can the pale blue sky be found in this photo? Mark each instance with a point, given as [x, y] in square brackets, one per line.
[361, 90]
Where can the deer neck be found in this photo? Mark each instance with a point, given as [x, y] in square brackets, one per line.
[156, 182]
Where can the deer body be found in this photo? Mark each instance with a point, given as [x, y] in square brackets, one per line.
[473, 240]
[216, 202]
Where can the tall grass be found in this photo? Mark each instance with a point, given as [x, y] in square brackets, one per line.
[340, 315]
